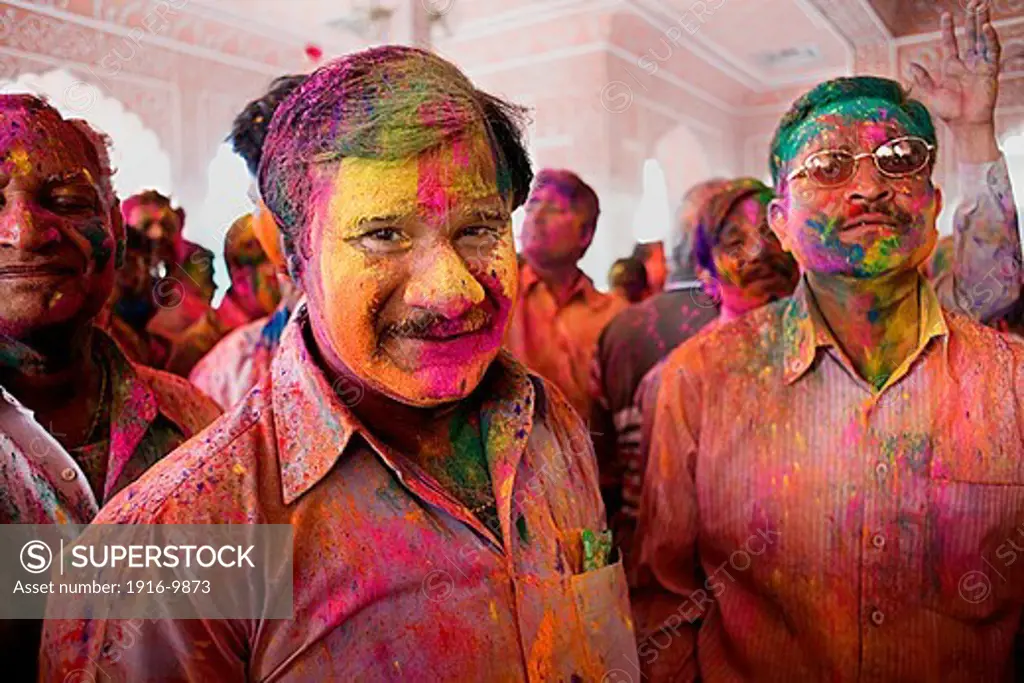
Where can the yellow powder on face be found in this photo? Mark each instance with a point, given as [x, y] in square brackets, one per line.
[364, 189]
[19, 158]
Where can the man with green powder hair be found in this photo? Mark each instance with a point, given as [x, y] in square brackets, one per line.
[836, 479]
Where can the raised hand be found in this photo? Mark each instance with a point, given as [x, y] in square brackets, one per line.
[964, 88]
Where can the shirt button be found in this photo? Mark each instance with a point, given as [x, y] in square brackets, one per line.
[877, 618]
[881, 469]
[68, 474]
[878, 541]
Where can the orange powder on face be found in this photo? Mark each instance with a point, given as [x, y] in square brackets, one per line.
[361, 271]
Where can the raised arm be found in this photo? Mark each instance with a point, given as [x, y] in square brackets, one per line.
[984, 276]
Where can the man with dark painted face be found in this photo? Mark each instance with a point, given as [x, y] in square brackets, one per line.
[79, 421]
[393, 432]
[835, 479]
[152, 214]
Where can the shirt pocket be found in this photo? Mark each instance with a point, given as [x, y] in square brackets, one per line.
[974, 549]
[605, 622]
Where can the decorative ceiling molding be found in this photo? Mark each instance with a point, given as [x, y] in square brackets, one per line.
[738, 69]
[699, 45]
[856, 20]
[528, 15]
[253, 23]
[155, 38]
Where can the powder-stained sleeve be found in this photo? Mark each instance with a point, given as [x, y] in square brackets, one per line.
[984, 280]
[666, 595]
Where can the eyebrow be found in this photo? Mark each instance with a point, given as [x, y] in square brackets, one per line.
[69, 177]
[371, 220]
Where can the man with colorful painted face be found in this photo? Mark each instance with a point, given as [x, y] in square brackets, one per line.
[740, 262]
[254, 291]
[560, 314]
[240, 360]
[393, 433]
[833, 477]
[79, 421]
[151, 214]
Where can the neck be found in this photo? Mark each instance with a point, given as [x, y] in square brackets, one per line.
[560, 279]
[418, 432]
[54, 375]
[876, 320]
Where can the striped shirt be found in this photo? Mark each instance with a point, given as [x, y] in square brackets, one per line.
[797, 524]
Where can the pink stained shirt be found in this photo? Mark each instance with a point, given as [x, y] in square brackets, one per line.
[394, 579]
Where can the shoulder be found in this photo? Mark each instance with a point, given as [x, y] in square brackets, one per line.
[741, 347]
[230, 349]
[180, 401]
[627, 321]
[211, 478]
[560, 438]
[983, 346]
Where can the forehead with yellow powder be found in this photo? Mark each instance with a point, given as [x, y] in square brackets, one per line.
[37, 142]
[432, 187]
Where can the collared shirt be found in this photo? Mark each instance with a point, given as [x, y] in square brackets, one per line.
[632, 343]
[558, 339]
[394, 579]
[240, 360]
[798, 524]
[152, 413]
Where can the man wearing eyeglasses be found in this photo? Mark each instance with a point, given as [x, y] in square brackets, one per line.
[836, 481]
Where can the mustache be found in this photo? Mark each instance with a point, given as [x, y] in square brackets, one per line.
[883, 208]
[428, 325]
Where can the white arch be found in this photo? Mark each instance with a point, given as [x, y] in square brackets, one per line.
[652, 221]
[138, 158]
[226, 199]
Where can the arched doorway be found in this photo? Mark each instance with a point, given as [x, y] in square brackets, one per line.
[136, 153]
[226, 199]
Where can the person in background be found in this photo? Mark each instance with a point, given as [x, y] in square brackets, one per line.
[161, 224]
[628, 280]
[393, 432]
[240, 360]
[632, 343]
[742, 266]
[254, 291]
[740, 262]
[79, 420]
[186, 323]
[559, 314]
[850, 456]
[132, 304]
[652, 255]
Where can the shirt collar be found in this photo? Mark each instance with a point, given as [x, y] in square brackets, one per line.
[583, 287]
[308, 448]
[804, 330]
[133, 409]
